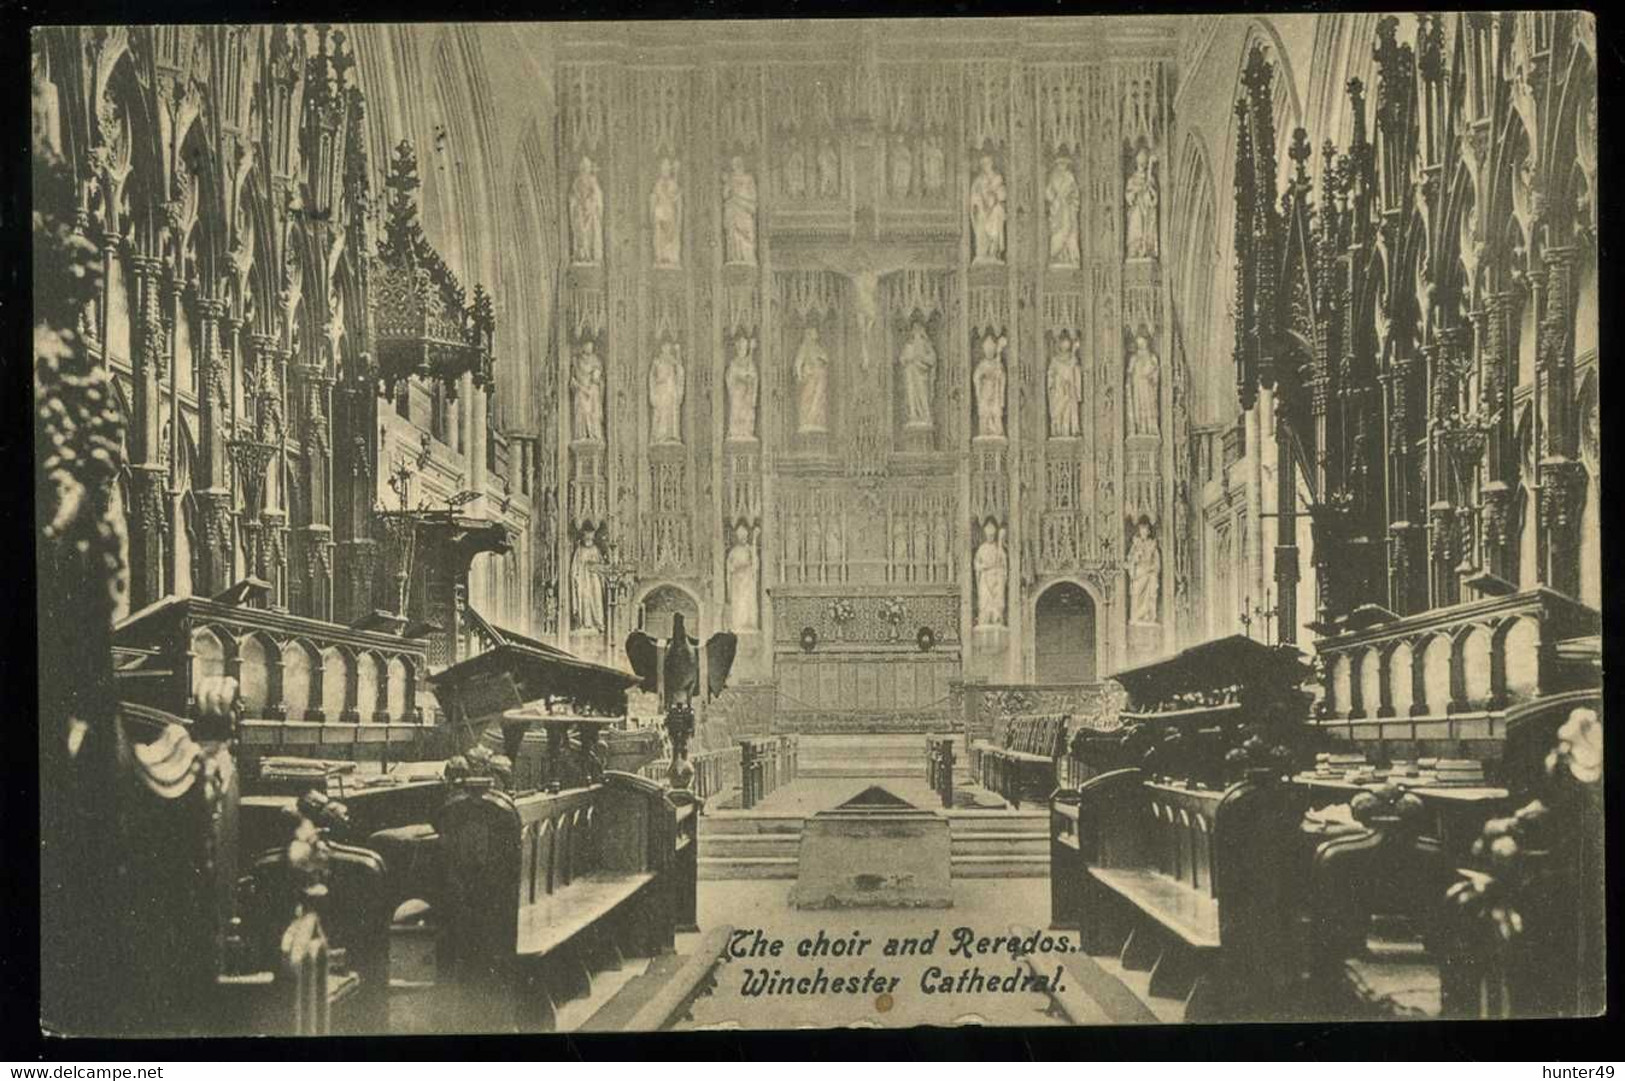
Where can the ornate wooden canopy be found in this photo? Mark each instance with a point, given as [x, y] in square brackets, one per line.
[423, 321]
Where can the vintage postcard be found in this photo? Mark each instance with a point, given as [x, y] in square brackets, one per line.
[583, 527]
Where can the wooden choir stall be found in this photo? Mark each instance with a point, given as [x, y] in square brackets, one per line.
[1170, 857]
[1225, 858]
[501, 889]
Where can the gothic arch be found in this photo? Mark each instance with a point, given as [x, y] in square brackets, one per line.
[529, 254]
[1578, 82]
[1065, 619]
[120, 83]
[1201, 296]
[668, 597]
[195, 157]
[186, 467]
[1455, 238]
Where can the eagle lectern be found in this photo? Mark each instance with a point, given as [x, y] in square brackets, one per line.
[672, 670]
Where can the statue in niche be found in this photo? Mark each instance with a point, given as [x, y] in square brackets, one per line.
[988, 381]
[933, 165]
[587, 215]
[918, 360]
[1144, 382]
[1065, 388]
[987, 197]
[902, 167]
[992, 566]
[586, 587]
[795, 170]
[739, 214]
[812, 384]
[1144, 574]
[829, 168]
[1061, 193]
[666, 396]
[744, 572]
[587, 393]
[742, 381]
[1140, 193]
[834, 550]
[666, 208]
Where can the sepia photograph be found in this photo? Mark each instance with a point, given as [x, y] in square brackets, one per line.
[777, 524]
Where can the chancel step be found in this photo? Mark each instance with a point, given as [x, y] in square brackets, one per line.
[863, 756]
[993, 844]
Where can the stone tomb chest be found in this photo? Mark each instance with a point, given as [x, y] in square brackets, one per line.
[876, 850]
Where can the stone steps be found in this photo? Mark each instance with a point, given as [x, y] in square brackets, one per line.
[733, 823]
[842, 772]
[1025, 821]
[731, 867]
[877, 756]
[982, 845]
[991, 844]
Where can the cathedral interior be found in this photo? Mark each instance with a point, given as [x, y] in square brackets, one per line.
[1105, 428]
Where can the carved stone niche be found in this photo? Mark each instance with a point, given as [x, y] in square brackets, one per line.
[987, 204]
[1142, 205]
[919, 411]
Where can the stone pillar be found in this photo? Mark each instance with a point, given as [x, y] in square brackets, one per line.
[213, 480]
[274, 556]
[1496, 380]
[315, 568]
[1562, 475]
[1536, 286]
[146, 514]
[148, 519]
